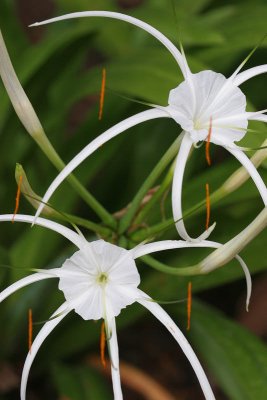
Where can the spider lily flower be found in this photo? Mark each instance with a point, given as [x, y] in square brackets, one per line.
[98, 281]
[201, 100]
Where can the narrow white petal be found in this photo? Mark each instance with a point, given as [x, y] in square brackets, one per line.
[248, 279]
[42, 335]
[24, 282]
[258, 117]
[166, 320]
[149, 248]
[177, 185]
[249, 73]
[96, 143]
[252, 170]
[54, 226]
[242, 116]
[114, 358]
[131, 20]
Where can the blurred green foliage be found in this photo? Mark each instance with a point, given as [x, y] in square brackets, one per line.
[61, 74]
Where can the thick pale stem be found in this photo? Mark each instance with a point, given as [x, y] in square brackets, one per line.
[29, 119]
[228, 251]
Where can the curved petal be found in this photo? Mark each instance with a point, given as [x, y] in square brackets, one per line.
[166, 320]
[162, 245]
[142, 250]
[42, 335]
[95, 144]
[177, 185]
[39, 276]
[248, 279]
[134, 21]
[252, 170]
[258, 117]
[114, 358]
[249, 73]
[54, 226]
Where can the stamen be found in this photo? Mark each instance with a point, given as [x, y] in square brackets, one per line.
[30, 329]
[102, 94]
[207, 206]
[208, 143]
[17, 199]
[103, 345]
[189, 304]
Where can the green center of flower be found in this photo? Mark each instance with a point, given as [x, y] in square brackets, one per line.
[102, 278]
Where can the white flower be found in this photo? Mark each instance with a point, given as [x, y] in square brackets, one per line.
[201, 100]
[98, 281]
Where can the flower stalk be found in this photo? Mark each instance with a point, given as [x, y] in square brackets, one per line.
[32, 124]
[148, 183]
[229, 250]
[48, 211]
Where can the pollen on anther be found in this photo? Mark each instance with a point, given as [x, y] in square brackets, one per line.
[102, 94]
[103, 345]
[189, 305]
[17, 198]
[207, 148]
[30, 329]
[207, 206]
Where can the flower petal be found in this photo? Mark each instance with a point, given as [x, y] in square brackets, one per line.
[258, 117]
[142, 250]
[134, 21]
[26, 281]
[249, 73]
[42, 335]
[114, 358]
[166, 320]
[252, 170]
[54, 226]
[177, 185]
[96, 143]
[162, 245]
[248, 279]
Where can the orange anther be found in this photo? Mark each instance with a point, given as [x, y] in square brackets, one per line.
[103, 345]
[102, 94]
[208, 143]
[207, 206]
[17, 198]
[30, 329]
[189, 304]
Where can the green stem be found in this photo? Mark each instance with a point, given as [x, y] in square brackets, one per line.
[92, 226]
[30, 120]
[52, 155]
[155, 198]
[159, 266]
[148, 183]
[164, 225]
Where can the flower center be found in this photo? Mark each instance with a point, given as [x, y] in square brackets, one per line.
[208, 95]
[102, 279]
